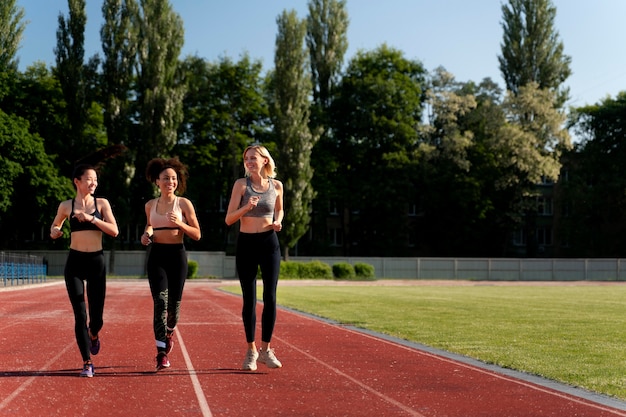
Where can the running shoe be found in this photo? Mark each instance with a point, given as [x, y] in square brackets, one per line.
[161, 361]
[169, 342]
[269, 359]
[94, 345]
[249, 363]
[87, 371]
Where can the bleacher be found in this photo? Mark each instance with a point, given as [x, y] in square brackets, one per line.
[19, 269]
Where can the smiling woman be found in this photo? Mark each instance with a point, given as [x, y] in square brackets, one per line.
[89, 217]
[168, 219]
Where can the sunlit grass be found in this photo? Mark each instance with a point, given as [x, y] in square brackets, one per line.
[572, 334]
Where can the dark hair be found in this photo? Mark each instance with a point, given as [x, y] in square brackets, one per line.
[157, 165]
[80, 169]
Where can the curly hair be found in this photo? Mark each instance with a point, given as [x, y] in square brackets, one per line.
[157, 165]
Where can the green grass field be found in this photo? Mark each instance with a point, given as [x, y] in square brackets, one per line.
[572, 334]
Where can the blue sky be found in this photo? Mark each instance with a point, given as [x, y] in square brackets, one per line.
[462, 36]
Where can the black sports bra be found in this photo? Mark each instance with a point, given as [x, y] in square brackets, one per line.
[78, 226]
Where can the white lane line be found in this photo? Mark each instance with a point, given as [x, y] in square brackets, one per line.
[495, 374]
[30, 380]
[202, 402]
[355, 381]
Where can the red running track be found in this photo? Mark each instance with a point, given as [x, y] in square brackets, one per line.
[329, 370]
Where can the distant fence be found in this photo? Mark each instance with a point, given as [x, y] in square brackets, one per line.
[19, 268]
[220, 265]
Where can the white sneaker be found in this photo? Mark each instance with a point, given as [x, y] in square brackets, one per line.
[269, 359]
[249, 363]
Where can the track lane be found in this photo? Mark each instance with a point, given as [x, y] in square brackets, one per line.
[328, 369]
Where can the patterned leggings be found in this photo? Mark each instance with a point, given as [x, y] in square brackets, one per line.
[167, 272]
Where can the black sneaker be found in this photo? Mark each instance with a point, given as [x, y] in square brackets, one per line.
[94, 345]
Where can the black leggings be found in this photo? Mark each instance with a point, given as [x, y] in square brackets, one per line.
[256, 250]
[89, 267]
[167, 272]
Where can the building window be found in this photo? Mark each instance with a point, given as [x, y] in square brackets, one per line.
[544, 206]
[519, 237]
[336, 237]
[544, 236]
[332, 208]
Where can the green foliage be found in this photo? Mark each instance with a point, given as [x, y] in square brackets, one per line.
[531, 49]
[192, 269]
[343, 270]
[305, 270]
[363, 270]
[316, 270]
[288, 96]
[12, 27]
[24, 166]
[289, 270]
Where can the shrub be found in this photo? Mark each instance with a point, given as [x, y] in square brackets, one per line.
[343, 270]
[316, 270]
[289, 270]
[192, 269]
[363, 270]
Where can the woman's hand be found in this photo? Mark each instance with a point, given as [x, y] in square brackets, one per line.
[252, 202]
[56, 232]
[146, 239]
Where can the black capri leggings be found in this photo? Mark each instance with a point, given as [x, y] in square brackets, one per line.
[167, 272]
[256, 250]
[89, 267]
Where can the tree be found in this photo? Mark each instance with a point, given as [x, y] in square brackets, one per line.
[326, 38]
[529, 147]
[77, 82]
[119, 45]
[290, 89]
[11, 29]
[594, 193]
[159, 92]
[30, 186]
[376, 117]
[225, 111]
[531, 49]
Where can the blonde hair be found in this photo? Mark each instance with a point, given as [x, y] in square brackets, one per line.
[269, 169]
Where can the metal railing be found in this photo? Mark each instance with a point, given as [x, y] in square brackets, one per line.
[18, 269]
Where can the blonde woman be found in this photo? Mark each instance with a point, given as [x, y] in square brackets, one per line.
[257, 203]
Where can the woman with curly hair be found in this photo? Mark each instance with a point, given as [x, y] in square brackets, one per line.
[169, 219]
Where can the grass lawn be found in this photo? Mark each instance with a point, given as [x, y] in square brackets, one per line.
[575, 334]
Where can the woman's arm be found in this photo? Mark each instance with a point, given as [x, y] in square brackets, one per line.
[146, 237]
[192, 227]
[57, 223]
[235, 212]
[278, 207]
[108, 224]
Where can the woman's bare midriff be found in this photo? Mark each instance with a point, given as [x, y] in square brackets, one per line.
[255, 224]
[167, 236]
[86, 241]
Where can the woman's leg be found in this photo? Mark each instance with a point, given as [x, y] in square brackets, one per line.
[247, 266]
[270, 268]
[157, 278]
[76, 293]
